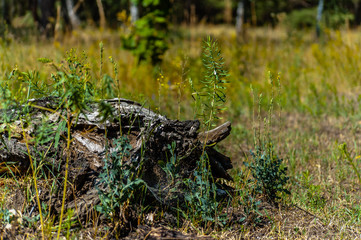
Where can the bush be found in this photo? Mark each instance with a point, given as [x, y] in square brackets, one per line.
[269, 172]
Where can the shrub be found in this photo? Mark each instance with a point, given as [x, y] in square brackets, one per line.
[269, 172]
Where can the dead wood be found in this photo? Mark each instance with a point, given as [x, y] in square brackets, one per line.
[149, 134]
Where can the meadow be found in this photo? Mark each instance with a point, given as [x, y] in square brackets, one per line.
[300, 92]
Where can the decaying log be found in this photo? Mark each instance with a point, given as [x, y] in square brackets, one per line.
[149, 133]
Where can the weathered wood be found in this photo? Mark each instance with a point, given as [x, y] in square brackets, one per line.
[215, 135]
[149, 133]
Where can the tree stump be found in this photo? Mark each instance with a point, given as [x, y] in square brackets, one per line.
[92, 137]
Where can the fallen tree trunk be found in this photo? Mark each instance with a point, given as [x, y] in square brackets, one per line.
[92, 136]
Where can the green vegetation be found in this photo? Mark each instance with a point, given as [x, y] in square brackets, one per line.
[295, 140]
[148, 36]
[119, 181]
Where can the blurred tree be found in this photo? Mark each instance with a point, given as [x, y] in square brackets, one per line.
[102, 20]
[47, 14]
[228, 11]
[5, 18]
[74, 19]
[148, 38]
[357, 12]
[240, 19]
[134, 12]
[73, 13]
[319, 17]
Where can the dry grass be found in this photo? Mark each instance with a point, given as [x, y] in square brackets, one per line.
[320, 110]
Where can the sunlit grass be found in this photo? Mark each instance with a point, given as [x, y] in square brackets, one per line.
[315, 73]
[319, 97]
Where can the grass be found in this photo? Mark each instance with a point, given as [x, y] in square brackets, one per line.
[320, 102]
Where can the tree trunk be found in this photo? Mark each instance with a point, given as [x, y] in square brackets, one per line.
[101, 14]
[358, 13]
[253, 13]
[2, 7]
[240, 20]
[319, 17]
[134, 12]
[47, 11]
[74, 20]
[57, 30]
[228, 11]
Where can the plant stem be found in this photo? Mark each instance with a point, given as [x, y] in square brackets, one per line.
[68, 141]
[35, 182]
[344, 150]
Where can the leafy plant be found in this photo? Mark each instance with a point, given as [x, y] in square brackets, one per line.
[72, 90]
[270, 174]
[266, 167]
[201, 199]
[314, 191]
[5, 216]
[213, 94]
[118, 181]
[345, 152]
[246, 196]
[172, 167]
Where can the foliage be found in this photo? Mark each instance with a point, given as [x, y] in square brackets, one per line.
[269, 172]
[314, 192]
[148, 37]
[306, 18]
[73, 83]
[212, 96]
[5, 216]
[247, 198]
[118, 181]
[345, 152]
[172, 167]
[201, 196]
[266, 167]
[301, 19]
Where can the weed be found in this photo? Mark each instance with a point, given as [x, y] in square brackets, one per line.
[266, 167]
[118, 181]
[313, 192]
[172, 167]
[201, 196]
[69, 222]
[246, 197]
[344, 151]
[5, 216]
[269, 172]
[213, 93]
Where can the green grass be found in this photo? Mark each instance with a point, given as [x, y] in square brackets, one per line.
[318, 110]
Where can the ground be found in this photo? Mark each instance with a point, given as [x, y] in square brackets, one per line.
[312, 102]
